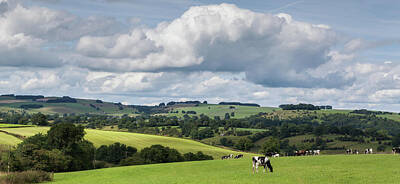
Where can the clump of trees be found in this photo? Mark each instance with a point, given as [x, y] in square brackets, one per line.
[114, 153]
[61, 149]
[300, 106]
[64, 148]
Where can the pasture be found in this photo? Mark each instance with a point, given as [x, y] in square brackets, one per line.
[212, 110]
[306, 169]
[99, 137]
[8, 139]
[13, 125]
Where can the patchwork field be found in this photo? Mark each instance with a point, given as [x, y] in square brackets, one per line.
[220, 110]
[302, 170]
[99, 137]
[81, 107]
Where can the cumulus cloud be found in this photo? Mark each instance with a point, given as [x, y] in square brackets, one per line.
[29, 36]
[214, 53]
[273, 50]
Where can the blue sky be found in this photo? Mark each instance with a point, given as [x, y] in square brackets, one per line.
[342, 53]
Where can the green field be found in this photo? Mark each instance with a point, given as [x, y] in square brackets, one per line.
[220, 110]
[13, 125]
[8, 139]
[308, 170]
[81, 107]
[99, 137]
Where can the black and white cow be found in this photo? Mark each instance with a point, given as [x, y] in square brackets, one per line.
[238, 156]
[261, 161]
[396, 150]
[225, 157]
[368, 151]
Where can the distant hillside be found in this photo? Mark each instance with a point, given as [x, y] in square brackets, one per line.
[140, 141]
[67, 105]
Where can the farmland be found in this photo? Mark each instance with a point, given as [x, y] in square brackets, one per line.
[8, 139]
[99, 137]
[81, 106]
[212, 110]
[316, 169]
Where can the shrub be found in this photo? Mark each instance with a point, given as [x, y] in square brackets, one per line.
[381, 148]
[136, 159]
[26, 177]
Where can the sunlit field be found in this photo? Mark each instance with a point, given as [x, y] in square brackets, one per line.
[306, 169]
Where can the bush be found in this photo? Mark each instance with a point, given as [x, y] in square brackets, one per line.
[381, 148]
[26, 177]
[136, 159]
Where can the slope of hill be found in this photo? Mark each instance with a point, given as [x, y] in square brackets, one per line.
[8, 139]
[213, 110]
[80, 106]
[99, 137]
[317, 169]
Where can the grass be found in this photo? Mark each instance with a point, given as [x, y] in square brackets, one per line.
[99, 137]
[302, 170]
[13, 125]
[8, 139]
[220, 110]
[82, 106]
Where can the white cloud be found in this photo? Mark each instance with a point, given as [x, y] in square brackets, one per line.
[273, 50]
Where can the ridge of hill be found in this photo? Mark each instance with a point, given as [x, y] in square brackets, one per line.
[140, 141]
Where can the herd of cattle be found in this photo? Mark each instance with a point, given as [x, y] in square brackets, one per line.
[369, 151]
[366, 151]
[266, 163]
[306, 152]
[231, 156]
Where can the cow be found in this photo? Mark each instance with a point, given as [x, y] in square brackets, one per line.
[261, 161]
[300, 153]
[355, 152]
[224, 157]
[275, 155]
[238, 156]
[396, 150]
[368, 151]
[316, 152]
[349, 151]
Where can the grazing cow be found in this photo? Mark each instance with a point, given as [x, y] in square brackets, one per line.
[396, 150]
[349, 151]
[275, 155]
[300, 153]
[224, 157]
[230, 155]
[368, 151]
[261, 161]
[316, 152]
[238, 156]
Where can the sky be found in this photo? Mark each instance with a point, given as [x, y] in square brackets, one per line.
[340, 53]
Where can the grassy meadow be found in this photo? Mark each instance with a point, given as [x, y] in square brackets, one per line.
[212, 110]
[99, 137]
[6, 139]
[302, 170]
[13, 125]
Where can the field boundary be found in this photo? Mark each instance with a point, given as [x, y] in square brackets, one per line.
[12, 134]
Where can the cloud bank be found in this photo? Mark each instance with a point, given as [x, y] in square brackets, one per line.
[214, 52]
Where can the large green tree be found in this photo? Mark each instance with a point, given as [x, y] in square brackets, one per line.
[272, 145]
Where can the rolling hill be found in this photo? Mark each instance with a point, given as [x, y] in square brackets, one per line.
[80, 106]
[99, 137]
[316, 169]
